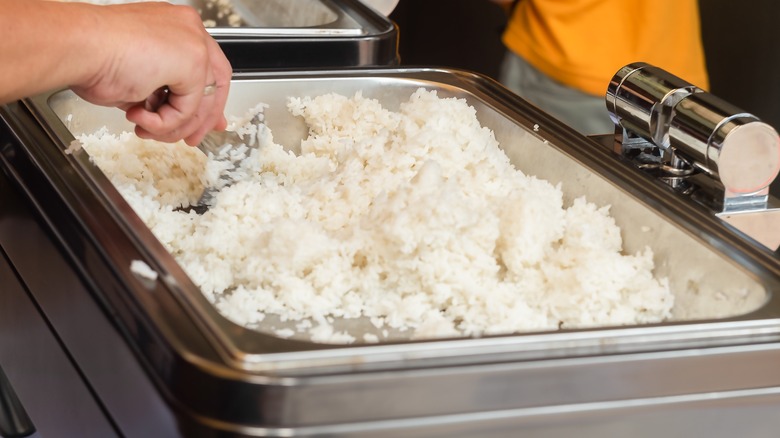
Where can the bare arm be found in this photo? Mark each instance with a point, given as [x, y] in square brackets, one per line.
[117, 56]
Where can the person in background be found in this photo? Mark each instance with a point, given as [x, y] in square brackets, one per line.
[118, 55]
[562, 53]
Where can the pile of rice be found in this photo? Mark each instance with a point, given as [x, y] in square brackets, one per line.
[414, 220]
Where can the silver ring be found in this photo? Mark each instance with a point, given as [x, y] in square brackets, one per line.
[210, 89]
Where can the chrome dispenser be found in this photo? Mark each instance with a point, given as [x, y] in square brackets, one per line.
[700, 145]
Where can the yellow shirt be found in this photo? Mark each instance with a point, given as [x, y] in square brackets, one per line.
[583, 43]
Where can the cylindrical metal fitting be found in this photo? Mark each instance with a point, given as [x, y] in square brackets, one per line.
[713, 135]
[640, 98]
[736, 146]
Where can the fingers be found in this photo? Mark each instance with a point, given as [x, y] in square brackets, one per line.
[158, 45]
[194, 107]
[215, 100]
[174, 120]
[173, 126]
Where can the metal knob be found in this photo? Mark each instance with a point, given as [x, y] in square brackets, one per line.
[736, 146]
[712, 135]
[640, 98]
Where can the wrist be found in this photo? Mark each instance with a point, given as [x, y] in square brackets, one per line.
[86, 45]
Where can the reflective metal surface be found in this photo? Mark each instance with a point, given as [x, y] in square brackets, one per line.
[640, 98]
[736, 146]
[276, 18]
[271, 17]
[674, 127]
[528, 150]
[291, 34]
[248, 382]
[295, 34]
[710, 133]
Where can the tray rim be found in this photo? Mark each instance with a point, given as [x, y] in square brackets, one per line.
[353, 20]
[761, 325]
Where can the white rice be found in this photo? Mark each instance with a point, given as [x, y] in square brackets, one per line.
[141, 269]
[414, 220]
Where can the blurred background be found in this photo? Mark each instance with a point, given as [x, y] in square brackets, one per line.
[741, 43]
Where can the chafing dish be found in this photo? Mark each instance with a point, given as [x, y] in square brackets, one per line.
[220, 378]
[293, 34]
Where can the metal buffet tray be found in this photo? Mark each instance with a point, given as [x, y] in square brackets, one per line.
[275, 17]
[289, 34]
[724, 284]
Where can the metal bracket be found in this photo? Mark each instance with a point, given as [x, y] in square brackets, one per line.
[698, 144]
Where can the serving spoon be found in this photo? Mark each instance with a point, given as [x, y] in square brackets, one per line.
[214, 141]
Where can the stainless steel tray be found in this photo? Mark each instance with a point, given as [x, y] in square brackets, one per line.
[278, 17]
[724, 282]
[708, 281]
[291, 34]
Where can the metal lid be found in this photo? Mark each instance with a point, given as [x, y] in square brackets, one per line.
[747, 155]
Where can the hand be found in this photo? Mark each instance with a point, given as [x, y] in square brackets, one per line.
[145, 46]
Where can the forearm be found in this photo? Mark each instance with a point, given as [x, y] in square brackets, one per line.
[118, 55]
[44, 45]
